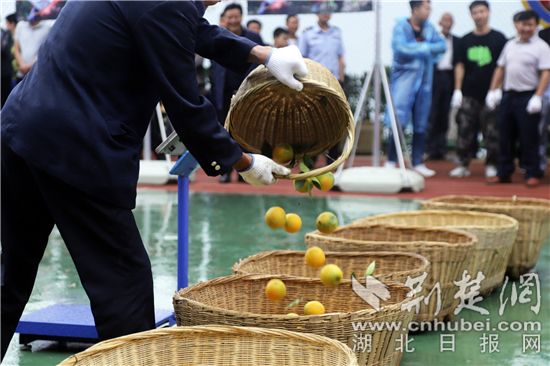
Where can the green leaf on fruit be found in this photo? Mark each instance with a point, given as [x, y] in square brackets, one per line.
[304, 168]
[294, 303]
[370, 269]
[309, 161]
[316, 182]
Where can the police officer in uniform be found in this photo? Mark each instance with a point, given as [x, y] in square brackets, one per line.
[323, 43]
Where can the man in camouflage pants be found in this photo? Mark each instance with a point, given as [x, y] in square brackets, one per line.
[476, 57]
[472, 117]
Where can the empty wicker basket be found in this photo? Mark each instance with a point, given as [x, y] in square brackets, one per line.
[495, 237]
[533, 216]
[390, 266]
[446, 249]
[215, 345]
[266, 113]
[240, 300]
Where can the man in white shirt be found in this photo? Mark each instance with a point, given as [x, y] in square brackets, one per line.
[29, 36]
[524, 66]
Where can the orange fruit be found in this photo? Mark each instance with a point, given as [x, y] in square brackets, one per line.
[275, 217]
[326, 181]
[331, 275]
[326, 222]
[303, 186]
[283, 154]
[315, 257]
[293, 223]
[275, 289]
[314, 308]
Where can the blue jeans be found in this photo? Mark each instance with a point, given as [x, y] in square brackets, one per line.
[411, 91]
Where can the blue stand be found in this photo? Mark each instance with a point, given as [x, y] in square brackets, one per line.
[74, 322]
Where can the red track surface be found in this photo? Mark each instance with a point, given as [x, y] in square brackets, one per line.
[439, 185]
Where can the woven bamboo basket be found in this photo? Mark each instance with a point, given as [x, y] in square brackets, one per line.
[446, 249]
[265, 113]
[240, 300]
[533, 216]
[390, 266]
[215, 345]
[495, 237]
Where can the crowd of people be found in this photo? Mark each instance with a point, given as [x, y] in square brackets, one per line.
[497, 87]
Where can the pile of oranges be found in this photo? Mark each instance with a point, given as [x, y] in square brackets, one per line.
[331, 275]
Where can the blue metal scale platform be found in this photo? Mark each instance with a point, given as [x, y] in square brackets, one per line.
[75, 322]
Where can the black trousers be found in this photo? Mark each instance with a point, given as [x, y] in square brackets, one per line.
[516, 125]
[438, 124]
[6, 89]
[103, 241]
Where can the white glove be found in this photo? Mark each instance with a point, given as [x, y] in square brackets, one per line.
[456, 100]
[534, 105]
[493, 98]
[260, 172]
[284, 62]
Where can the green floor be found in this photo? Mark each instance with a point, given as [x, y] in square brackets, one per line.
[225, 228]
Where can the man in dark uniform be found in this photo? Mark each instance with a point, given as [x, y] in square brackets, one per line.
[71, 137]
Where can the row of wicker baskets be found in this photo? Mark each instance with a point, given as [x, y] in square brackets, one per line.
[472, 234]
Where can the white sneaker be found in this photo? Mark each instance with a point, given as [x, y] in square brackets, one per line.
[424, 171]
[490, 171]
[459, 172]
[390, 164]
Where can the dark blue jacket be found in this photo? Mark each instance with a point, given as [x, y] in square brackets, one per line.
[219, 75]
[82, 111]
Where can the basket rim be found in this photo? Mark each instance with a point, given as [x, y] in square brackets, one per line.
[506, 222]
[180, 296]
[350, 125]
[432, 243]
[425, 263]
[522, 202]
[114, 343]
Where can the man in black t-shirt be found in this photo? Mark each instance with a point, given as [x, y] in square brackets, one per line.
[476, 60]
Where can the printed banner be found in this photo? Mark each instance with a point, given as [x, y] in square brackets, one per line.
[307, 6]
[542, 7]
[38, 9]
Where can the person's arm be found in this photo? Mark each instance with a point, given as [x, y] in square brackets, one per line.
[166, 40]
[403, 48]
[497, 79]
[341, 69]
[543, 83]
[459, 75]
[22, 66]
[225, 48]
[437, 44]
[303, 45]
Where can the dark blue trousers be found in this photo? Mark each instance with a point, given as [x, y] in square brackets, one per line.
[519, 135]
[103, 241]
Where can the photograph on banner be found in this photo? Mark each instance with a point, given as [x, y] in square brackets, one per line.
[542, 8]
[38, 9]
[307, 6]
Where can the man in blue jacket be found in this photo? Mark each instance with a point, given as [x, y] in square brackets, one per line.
[71, 139]
[416, 46]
